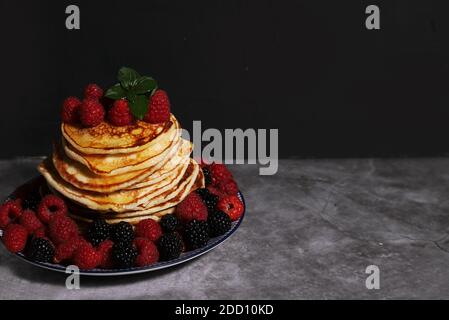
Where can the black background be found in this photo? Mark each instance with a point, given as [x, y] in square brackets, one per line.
[309, 68]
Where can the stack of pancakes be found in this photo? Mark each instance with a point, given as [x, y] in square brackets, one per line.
[124, 173]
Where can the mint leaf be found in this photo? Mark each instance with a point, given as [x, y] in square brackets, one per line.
[144, 84]
[127, 77]
[138, 105]
[116, 92]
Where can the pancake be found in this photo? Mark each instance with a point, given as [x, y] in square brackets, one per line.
[182, 158]
[124, 200]
[112, 164]
[154, 213]
[79, 176]
[108, 139]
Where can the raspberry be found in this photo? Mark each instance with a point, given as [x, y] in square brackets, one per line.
[93, 91]
[192, 207]
[91, 112]
[70, 110]
[86, 257]
[49, 206]
[105, 251]
[30, 221]
[158, 108]
[232, 206]
[64, 251]
[217, 192]
[149, 229]
[147, 252]
[9, 211]
[119, 114]
[41, 232]
[219, 173]
[15, 237]
[62, 229]
[229, 187]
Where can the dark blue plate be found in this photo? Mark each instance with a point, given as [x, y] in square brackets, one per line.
[186, 256]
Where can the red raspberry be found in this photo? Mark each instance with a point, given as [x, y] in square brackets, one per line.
[15, 237]
[219, 173]
[49, 206]
[232, 206]
[158, 108]
[61, 229]
[119, 114]
[70, 110]
[41, 232]
[148, 253]
[9, 211]
[192, 207]
[91, 113]
[86, 257]
[93, 91]
[30, 221]
[64, 251]
[149, 229]
[105, 251]
[218, 192]
[229, 187]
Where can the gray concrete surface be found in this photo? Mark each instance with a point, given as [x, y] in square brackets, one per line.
[309, 233]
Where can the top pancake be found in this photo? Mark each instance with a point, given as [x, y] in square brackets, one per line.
[108, 139]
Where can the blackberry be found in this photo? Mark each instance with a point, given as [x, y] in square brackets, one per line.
[31, 201]
[209, 199]
[207, 176]
[169, 223]
[169, 246]
[41, 250]
[196, 234]
[219, 223]
[122, 232]
[124, 255]
[98, 231]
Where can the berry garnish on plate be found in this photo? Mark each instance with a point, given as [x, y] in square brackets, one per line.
[98, 231]
[62, 228]
[196, 234]
[191, 208]
[124, 255]
[147, 252]
[209, 199]
[122, 232]
[10, 210]
[148, 228]
[170, 246]
[219, 223]
[41, 250]
[30, 221]
[169, 223]
[49, 206]
[232, 206]
[15, 237]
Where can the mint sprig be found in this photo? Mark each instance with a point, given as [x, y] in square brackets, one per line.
[135, 88]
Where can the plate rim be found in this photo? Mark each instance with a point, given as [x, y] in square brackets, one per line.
[185, 257]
